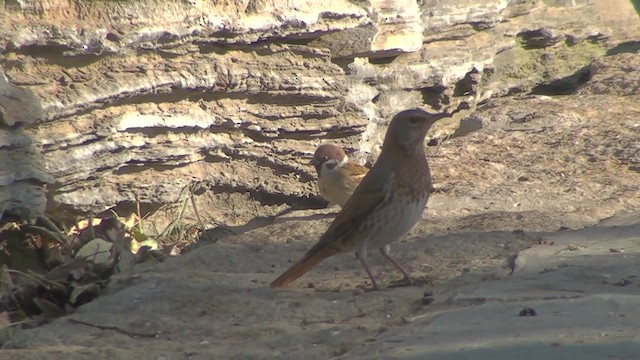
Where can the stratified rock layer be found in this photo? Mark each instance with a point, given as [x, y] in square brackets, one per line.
[142, 99]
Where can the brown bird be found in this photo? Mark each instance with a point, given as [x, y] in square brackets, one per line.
[387, 203]
[338, 177]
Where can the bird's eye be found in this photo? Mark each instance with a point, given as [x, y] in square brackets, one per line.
[414, 120]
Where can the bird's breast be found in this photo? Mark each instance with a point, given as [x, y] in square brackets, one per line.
[401, 209]
[334, 186]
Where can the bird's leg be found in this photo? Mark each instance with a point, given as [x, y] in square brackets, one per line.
[406, 280]
[361, 254]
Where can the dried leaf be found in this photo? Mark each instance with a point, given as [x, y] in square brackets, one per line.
[6, 282]
[135, 246]
[90, 292]
[5, 320]
[126, 262]
[96, 251]
[130, 221]
[49, 309]
[78, 273]
[11, 225]
[139, 235]
[125, 259]
[143, 254]
[174, 251]
[54, 256]
[151, 244]
[81, 225]
[61, 272]
[112, 229]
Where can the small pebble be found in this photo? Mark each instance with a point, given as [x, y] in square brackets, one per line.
[527, 312]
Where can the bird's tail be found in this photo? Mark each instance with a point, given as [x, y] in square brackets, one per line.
[310, 260]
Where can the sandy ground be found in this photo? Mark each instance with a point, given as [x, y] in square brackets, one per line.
[477, 270]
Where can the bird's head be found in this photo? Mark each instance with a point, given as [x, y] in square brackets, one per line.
[408, 129]
[327, 155]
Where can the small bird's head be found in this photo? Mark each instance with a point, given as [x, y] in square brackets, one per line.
[327, 155]
[408, 129]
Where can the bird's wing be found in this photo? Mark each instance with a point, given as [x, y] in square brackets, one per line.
[339, 236]
[354, 175]
[355, 169]
[365, 198]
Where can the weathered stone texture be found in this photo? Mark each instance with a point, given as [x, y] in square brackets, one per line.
[142, 98]
[22, 169]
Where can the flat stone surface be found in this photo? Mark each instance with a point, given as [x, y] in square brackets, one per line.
[215, 300]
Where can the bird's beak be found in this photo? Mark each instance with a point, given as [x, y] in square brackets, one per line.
[442, 115]
[316, 164]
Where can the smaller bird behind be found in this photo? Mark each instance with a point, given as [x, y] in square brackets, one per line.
[387, 203]
[338, 176]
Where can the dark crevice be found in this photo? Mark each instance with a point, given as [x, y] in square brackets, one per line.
[300, 116]
[113, 37]
[537, 39]
[208, 48]
[301, 135]
[231, 127]
[342, 133]
[487, 75]
[383, 60]
[625, 47]
[593, 39]
[480, 25]
[125, 98]
[136, 166]
[174, 95]
[565, 86]
[286, 100]
[434, 96]
[65, 146]
[257, 136]
[516, 90]
[343, 63]
[69, 57]
[468, 85]
[219, 46]
[302, 39]
[78, 56]
[213, 158]
[152, 132]
[54, 55]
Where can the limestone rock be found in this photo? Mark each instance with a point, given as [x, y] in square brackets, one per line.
[17, 105]
[22, 169]
[616, 75]
[144, 99]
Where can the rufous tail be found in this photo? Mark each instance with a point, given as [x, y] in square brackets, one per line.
[302, 266]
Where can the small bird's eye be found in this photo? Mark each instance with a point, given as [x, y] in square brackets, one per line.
[414, 120]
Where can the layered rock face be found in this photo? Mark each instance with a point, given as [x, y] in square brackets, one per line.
[142, 99]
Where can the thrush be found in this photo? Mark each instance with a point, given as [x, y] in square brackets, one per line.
[387, 203]
[338, 176]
